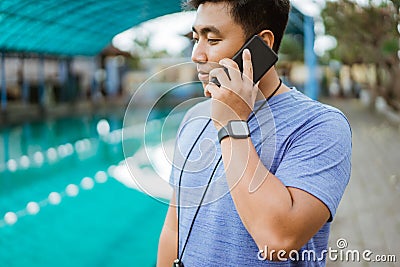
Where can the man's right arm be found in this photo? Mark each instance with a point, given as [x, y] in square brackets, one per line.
[167, 246]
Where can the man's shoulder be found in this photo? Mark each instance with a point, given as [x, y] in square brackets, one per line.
[330, 116]
[297, 114]
[328, 113]
[325, 122]
[311, 110]
[328, 119]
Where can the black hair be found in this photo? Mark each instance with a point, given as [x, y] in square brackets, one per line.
[255, 15]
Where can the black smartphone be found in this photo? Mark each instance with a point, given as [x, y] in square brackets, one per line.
[262, 57]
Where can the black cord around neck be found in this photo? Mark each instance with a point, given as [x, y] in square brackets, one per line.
[178, 261]
[180, 180]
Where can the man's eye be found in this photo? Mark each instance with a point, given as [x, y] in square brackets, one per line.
[213, 41]
[195, 40]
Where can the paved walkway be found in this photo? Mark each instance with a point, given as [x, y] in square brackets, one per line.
[368, 217]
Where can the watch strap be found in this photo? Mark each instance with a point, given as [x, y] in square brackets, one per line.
[227, 131]
[222, 133]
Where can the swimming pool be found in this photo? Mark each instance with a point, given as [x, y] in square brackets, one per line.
[60, 204]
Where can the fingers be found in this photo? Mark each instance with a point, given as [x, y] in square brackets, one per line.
[206, 92]
[247, 66]
[236, 96]
[220, 74]
[212, 90]
[232, 68]
[234, 71]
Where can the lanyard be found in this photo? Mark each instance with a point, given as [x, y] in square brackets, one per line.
[178, 262]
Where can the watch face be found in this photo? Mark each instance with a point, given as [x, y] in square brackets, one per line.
[239, 128]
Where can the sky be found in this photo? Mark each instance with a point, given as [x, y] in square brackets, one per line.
[166, 33]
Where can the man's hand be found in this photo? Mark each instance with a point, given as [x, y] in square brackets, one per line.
[235, 99]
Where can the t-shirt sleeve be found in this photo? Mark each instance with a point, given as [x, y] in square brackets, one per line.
[318, 160]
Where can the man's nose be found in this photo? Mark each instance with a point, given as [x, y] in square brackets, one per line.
[199, 54]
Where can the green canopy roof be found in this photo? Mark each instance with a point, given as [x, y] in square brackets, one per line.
[81, 27]
[72, 27]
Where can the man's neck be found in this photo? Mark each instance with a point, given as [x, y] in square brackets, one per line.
[268, 84]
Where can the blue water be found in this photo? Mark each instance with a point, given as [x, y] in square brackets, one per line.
[108, 225]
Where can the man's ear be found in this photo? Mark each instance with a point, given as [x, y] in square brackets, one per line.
[268, 37]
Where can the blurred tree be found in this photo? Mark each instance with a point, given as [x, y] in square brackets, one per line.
[368, 35]
[143, 49]
[292, 48]
[290, 51]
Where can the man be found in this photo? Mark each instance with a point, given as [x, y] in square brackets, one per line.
[265, 196]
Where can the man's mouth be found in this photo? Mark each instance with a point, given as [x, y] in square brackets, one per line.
[203, 76]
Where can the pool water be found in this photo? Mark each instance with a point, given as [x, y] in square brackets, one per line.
[77, 215]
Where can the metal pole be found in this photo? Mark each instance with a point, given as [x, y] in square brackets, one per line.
[3, 83]
[25, 83]
[94, 88]
[311, 87]
[63, 77]
[112, 76]
[41, 81]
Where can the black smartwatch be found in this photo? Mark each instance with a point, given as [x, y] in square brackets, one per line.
[236, 129]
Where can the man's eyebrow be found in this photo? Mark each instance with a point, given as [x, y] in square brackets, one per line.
[207, 29]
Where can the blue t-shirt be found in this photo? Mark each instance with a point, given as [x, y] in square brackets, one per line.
[306, 144]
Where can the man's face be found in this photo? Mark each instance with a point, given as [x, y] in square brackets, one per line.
[216, 36]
